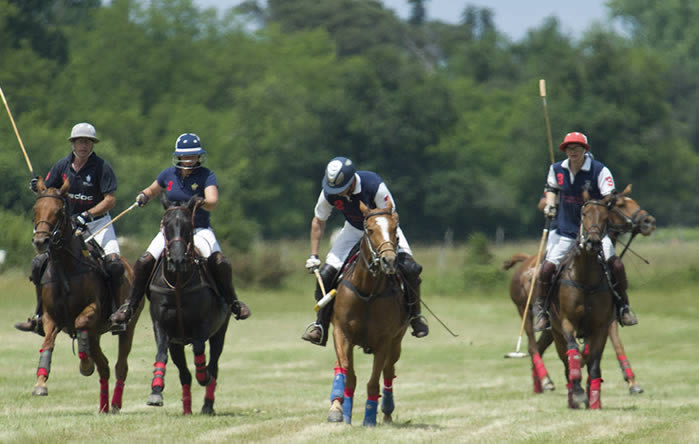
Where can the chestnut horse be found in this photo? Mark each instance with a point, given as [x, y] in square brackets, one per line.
[626, 216]
[75, 296]
[185, 309]
[369, 312]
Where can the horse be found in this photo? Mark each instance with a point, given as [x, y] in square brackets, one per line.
[626, 216]
[75, 296]
[185, 309]
[369, 311]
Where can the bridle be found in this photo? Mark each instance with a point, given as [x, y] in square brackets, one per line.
[631, 223]
[54, 230]
[188, 250]
[594, 228]
[373, 264]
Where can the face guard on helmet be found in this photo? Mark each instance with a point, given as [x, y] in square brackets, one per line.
[338, 175]
[188, 144]
[574, 137]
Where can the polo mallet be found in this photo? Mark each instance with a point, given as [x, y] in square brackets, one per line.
[104, 227]
[544, 235]
[9, 113]
[326, 296]
[542, 93]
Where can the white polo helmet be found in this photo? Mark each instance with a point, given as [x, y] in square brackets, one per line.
[84, 129]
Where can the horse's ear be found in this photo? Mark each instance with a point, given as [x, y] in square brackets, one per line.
[389, 205]
[586, 196]
[165, 201]
[364, 209]
[40, 185]
[64, 187]
[626, 191]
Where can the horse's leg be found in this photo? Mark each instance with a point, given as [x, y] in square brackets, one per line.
[594, 373]
[103, 370]
[121, 369]
[158, 384]
[343, 350]
[372, 387]
[389, 374]
[178, 357]
[202, 373]
[540, 376]
[626, 371]
[85, 321]
[573, 360]
[215, 349]
[44, 369]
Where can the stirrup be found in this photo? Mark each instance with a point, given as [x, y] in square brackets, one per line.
[419, 326]
[240, 310]
[632, 319]
[32, 324]
[307, 337]
[119, 326]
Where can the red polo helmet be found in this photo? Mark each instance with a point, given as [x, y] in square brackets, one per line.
[574, 137]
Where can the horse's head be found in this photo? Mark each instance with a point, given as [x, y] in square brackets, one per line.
[627, 216]
[51, 216]
[380, 237]
[178, 228]
[593, 224]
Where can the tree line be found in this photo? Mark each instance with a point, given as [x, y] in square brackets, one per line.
[448, 114]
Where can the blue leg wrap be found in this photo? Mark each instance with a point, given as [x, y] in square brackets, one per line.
[347, 410]
[387, 404]
[370, 413]
[338, 390]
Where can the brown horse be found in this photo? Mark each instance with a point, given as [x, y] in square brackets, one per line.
[75, 296]
[626, 216]
[369, 312]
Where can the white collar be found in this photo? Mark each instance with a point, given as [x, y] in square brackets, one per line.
[587, 164]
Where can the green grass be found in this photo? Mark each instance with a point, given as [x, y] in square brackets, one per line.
[273, 387]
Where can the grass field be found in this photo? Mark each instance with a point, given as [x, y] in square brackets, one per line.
[273, 387]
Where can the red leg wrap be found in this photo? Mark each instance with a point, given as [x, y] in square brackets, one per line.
[537, 382]
[595, 393]
[373, 398]
[118, 393]
[541, 372]
[574, 373]
[200, 364]
[626, 368]
[158, 374]
[42, 372]
[340, 370]
[586, 350]
[349, 393]
[210, 389]
[186, 399]
[104, 396]
[388, 383]
[82, 356]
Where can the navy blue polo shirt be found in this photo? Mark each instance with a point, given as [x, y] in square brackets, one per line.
[87, 186]
[350, 208]
[571, 200]
[179, 189]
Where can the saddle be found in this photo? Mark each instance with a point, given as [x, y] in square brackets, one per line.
[202, 278]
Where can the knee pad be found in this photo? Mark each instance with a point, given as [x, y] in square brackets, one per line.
[547, 271]
[616, 265]
[114, 266]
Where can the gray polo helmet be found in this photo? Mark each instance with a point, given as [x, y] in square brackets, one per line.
[338, 175]
[83, 129]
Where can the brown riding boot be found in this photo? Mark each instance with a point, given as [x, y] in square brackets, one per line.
[33, 324]
[317, 332]
[142, 271]
[539, 305]
[625, 315]
[223, 273]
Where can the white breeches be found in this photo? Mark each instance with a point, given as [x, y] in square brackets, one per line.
[348, 238]
[106, 238]
[204, 240]
[558, 246]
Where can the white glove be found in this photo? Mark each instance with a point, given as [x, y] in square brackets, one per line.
[312, 263]
[550, 211]
[142, 199]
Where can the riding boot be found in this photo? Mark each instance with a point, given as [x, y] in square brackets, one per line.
[624, 313]
[142, 271]
[317, 332]
[223, 274]
[411, 272]
[541, 297]
[115, 272]
[34, 324]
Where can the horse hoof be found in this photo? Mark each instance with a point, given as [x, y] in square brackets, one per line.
[207, 410]
[115, 410]
[155, 399]
[387, 419]
[87, 367]
[547, 384]
[635, 389]
[335, 416]
[40, 391]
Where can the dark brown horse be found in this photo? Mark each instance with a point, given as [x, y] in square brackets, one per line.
[369, 312]
[75, 296]
[626, 216]
[185, 309]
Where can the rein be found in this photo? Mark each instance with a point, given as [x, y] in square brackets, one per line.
[55, 230]
[374, 264]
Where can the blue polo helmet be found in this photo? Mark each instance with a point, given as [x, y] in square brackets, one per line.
[338, 175]
[188, 144]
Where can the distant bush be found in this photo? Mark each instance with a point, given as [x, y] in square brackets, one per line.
[16, 240]
[259, 267]
[479, 270]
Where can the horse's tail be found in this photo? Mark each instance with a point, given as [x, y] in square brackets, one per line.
[515, 259]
